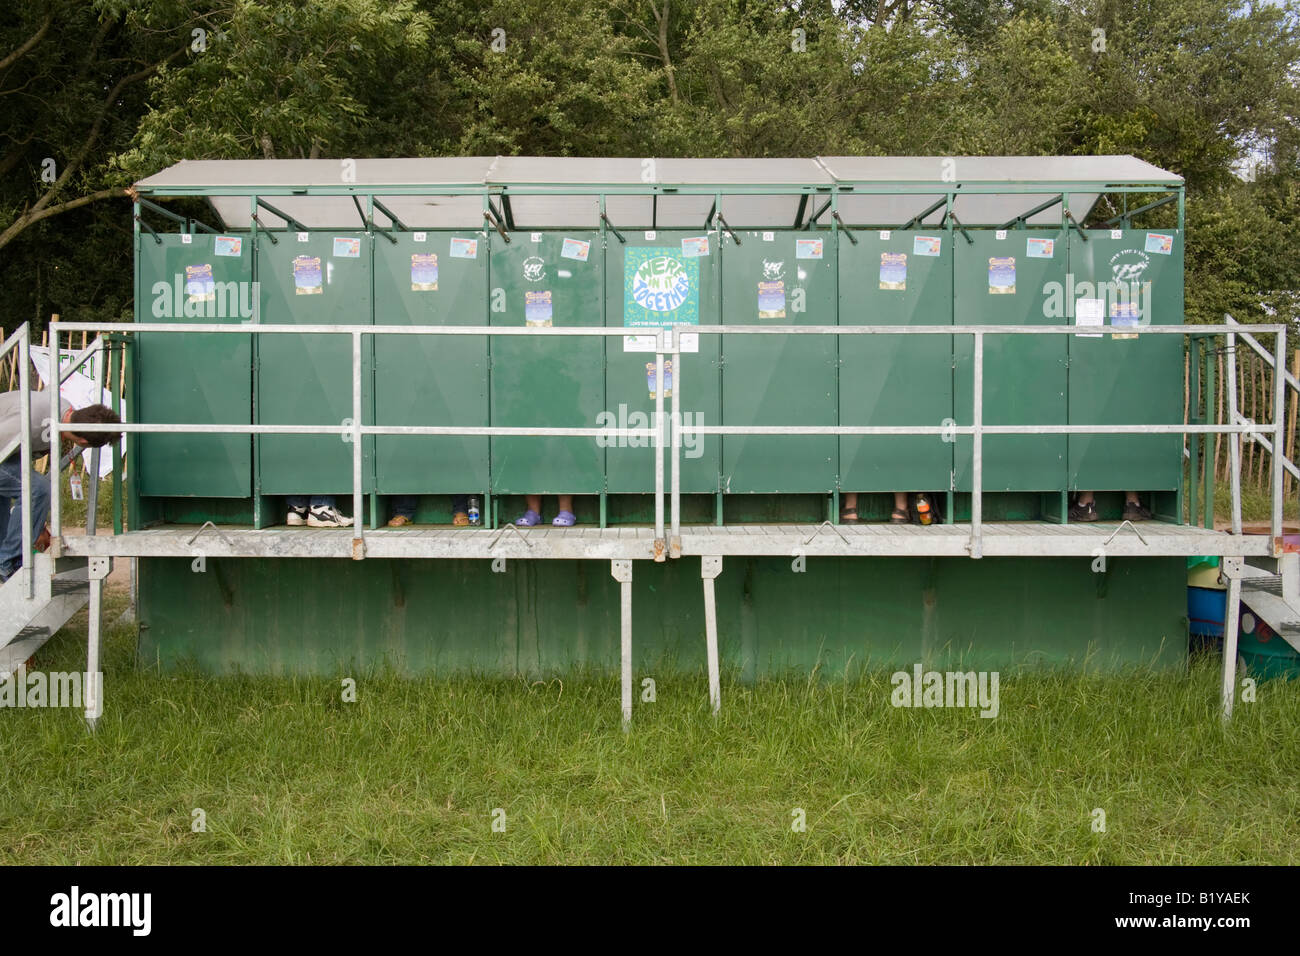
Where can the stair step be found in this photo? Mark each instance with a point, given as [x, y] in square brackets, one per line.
[68, 587]
[1268, 585]
[30, 632]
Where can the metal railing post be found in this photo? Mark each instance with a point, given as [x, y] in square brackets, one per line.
[56, 445]
[358, 540]
[91, 493]
[675, 538]
[1234, 438]
[977, 453]
[659, 444]
[1279, 434]
[25, 455]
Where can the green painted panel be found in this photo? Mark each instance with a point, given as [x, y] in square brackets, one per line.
[546, 381]
[307, 379]
[634, 272]
[562, 617]
[1007, 282]
[893, 380]
[430, 380]
[195, 379]
[1119, 381]
[779, 278]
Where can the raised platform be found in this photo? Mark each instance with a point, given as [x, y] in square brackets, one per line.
[1003, 539]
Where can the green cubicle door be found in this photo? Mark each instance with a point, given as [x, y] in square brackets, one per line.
[654, 279]
[195, 379]
[898, 277]
[1124, 279]
[1009, 281]
[318, 278]
[427, 278]
[780, 277]
[542, 279]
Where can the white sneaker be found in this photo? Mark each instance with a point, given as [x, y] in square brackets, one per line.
[296, 517]
[327, 518]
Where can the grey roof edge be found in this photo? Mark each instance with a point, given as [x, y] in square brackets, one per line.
[1127, 170]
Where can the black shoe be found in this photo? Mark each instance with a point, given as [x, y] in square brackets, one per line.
[1086, 512]
[1133, 511]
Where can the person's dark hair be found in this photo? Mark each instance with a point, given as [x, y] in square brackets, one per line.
[96, 415]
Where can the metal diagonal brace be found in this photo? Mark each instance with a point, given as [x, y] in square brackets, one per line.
[723, 222]
[206, 525]
[495, 224]
[509, 527]
[1132, 527]
[822, 527]
[847, 231]
[605, 219]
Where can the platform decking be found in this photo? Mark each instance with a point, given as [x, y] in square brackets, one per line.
[998, 539]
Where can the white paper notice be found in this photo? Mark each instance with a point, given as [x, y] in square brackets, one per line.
[1089, 312]
[686, 342]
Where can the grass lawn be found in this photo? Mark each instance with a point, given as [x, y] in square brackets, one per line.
[288, 773]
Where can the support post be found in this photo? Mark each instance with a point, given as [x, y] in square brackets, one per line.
[1234, 438]
[710, 568]
[621, 569]
[93, 689]
[1279, 438]
[56, 473]
[660, 544]
[25, 458]
[675, 502]
[1231, 571]
[358, 541]
[977, 453]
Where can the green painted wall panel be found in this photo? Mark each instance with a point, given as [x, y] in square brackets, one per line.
[195, 379]
[546, 381]
[1127, 381]
[635, 272]
[307, 379]
[892, 380]
[998, 282]
[562, 617]
[779, 380]
[430, 380]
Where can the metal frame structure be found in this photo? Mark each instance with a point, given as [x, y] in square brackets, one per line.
[621, 546]
[823, 188]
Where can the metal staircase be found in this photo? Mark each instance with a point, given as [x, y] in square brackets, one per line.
[60, 588]
[1273, 594]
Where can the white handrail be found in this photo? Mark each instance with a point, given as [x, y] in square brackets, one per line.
[668, 346]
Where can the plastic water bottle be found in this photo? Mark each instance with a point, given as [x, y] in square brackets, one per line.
[923, 509]
[473, 510]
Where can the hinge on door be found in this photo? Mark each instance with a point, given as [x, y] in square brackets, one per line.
[952, 480]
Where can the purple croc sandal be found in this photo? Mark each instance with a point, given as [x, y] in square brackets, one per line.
[565, 519]
[528, 519]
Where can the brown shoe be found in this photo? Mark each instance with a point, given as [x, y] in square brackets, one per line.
[397, 521]
[460, 519]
